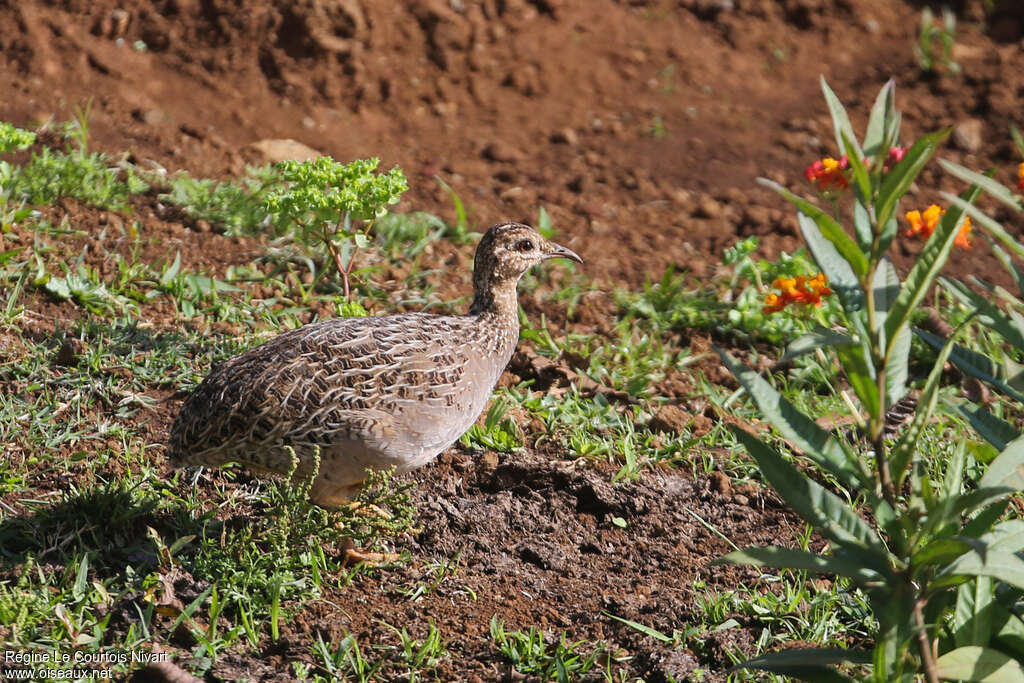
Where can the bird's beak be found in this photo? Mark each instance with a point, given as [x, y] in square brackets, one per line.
[558, 251]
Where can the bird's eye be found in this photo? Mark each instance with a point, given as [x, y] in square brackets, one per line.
[524, 245]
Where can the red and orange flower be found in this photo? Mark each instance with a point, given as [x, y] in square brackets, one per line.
[923, 224]
[796, 290]
[1020, 176]
[829, 174]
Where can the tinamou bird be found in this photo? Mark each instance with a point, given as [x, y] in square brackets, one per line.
[370, 393]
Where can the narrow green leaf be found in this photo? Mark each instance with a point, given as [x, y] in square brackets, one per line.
[861, 178]
[900, 177]
[953, 480]
[1007, 536]
[861, 375]
[982, 664]
[808, 665]
[642, 628]
[878, 122]
[862, 226]
[81, 579]
[1007, 470]
[984, 181]
[889, 232]
[973, 363]
[828, 226]
[886, 287]
[171, 272]
[840, 120]
[988, 314]
[926, 268]
[903, 451]
[891, 607]
[826, 512]
[940, 551]
[999, 564]
[798, 429]
[983, 521]
[996, 431]
[851, 566]
[973, 618]
[942, 518]
[192, 607]
[1008, 264]
[1010, 637]
[817, 338]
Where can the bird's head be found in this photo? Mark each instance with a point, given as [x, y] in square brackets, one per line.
[505, 252]
[510, 249]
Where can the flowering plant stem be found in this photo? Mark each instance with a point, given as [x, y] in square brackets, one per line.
[927, 539]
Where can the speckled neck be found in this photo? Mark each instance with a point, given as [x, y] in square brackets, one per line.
[497, 308]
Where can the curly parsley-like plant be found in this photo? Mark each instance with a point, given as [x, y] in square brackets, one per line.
[335, 204]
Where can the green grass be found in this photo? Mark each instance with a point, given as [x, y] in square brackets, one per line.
[551, 659]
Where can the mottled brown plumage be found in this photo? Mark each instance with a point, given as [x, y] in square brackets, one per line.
[370, 392]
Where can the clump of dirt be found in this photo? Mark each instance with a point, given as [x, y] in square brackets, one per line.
[555, 544]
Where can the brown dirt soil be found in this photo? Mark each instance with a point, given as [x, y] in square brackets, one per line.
[640, 126]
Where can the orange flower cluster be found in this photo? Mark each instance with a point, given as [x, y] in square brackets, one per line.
[796, 290]
[1020, 176]
[828, 173]
[923, 225]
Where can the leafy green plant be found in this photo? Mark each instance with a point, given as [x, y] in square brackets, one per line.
[928, 57]
[498, 433]
[237, 206]
[11, 140]
[931, 528]
[529, 653]
[335, 205]
[734, 306]
[76, 172]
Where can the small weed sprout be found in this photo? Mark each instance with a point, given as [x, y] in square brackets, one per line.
[931, 31]
[335, 205]
[11, 140]
[529, 653]
[51, 175]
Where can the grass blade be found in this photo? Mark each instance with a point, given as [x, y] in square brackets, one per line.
[812, 664]
[819, 338]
